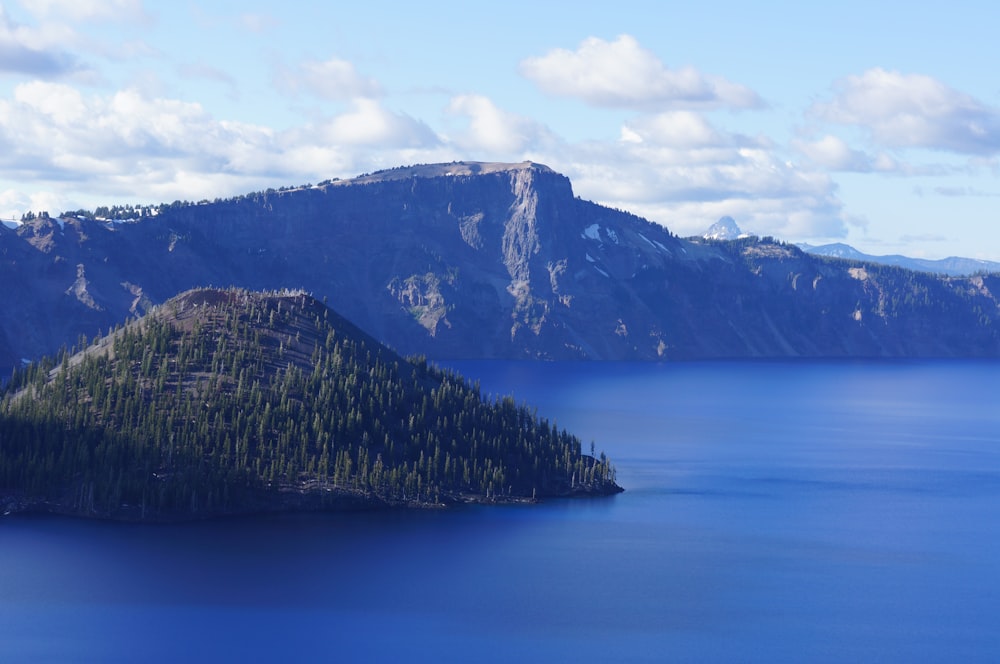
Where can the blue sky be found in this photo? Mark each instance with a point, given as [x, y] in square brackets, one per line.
[876, 124]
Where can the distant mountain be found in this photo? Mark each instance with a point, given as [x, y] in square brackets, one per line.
[226, 402]
[952, 266]
[472, 260]
[725, 228]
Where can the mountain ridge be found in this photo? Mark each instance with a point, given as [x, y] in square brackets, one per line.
[470, 260]
[955, 266]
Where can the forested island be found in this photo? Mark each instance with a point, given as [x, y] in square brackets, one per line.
[223, 402]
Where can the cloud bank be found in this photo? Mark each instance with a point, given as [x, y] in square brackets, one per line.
[623, 74]
[913, 111]
[670, 155]
[33, 51]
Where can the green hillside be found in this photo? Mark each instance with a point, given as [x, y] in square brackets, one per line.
[228, 401]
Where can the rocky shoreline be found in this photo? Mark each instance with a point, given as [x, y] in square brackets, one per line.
[285, 501]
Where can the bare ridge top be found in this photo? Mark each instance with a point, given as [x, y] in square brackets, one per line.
[453, 169]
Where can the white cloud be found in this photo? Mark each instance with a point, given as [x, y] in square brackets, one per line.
[675, 168]
[492, 130]
[62, 103]
[368, 123]
[833, 153]
[679, 170]
[36, 51]
[55, 133]
[913, 111]
[334, 79]
[623, 74]
[133, 145]
[14, 203]
[682, 129]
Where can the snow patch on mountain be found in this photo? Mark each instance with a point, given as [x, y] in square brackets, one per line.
[592, 232]
[656, 245]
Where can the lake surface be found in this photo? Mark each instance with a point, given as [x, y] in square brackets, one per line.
[774, 512]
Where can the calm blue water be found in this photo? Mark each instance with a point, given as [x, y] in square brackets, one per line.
[774, 512]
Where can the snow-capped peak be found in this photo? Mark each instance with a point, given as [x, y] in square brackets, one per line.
[724, 229]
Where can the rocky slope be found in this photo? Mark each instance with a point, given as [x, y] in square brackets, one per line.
[471, 260]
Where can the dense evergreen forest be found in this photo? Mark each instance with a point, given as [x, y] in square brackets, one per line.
[228, 401]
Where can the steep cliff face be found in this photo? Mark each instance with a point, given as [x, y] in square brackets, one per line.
[486, 260]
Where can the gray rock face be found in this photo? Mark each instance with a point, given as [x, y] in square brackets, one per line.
[486, 261]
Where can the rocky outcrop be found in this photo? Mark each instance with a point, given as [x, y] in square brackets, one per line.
[474, 260]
